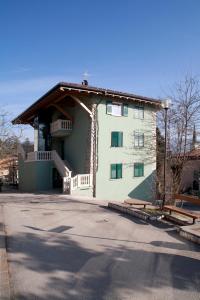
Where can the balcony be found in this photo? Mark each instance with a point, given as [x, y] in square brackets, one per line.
[61, 128]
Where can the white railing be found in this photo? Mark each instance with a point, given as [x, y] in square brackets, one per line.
[61, 125]
[47, 156]
[39, 155]
[60, 165]
[81, 181]
[69, 183]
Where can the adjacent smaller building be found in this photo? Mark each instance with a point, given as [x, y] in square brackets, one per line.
[9, 170]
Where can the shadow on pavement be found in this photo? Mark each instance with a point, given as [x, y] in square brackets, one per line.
[88, 274]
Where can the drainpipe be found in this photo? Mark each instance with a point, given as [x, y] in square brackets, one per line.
[94, 150]
[95, 145]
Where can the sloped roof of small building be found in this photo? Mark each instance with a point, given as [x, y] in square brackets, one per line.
[193, 154]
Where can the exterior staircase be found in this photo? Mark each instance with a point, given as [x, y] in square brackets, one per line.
[71, 182]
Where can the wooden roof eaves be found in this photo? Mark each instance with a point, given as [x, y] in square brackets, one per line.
[29, 113]
[107, 94]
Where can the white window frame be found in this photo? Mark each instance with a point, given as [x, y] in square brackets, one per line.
[139, 112]
[117, 109]
[138, 139]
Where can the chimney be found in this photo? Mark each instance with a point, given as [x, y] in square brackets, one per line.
[84, 82]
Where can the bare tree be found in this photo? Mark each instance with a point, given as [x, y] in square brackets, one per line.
[182, 116]
[9, 137]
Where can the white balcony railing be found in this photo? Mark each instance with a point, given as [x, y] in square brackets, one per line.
[39, 155]
[69, 183]
[60, 165]
[61, 125]
[50, 155]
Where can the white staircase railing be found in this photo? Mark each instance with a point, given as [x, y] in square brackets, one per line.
[69, 183]
[60, 165]
[50, 155]
[81, 181]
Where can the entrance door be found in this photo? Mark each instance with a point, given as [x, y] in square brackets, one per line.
[57, 179]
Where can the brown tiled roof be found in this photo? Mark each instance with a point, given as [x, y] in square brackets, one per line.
[58, 89]
[194, 154]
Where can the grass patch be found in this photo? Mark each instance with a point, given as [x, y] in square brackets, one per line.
[153, 212]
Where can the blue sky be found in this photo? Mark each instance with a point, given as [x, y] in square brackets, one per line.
[139, 46]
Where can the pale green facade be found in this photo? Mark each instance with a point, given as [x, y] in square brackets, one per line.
[35, 176]
[127, 186]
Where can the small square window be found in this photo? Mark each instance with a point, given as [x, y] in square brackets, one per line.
[138, 170]
[138, 139]
[116, 139]
[139, 112]
[115, 171]
[116, 109]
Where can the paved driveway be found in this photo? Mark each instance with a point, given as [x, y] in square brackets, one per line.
[64, 249]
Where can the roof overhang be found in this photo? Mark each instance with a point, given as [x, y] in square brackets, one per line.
[63, 89]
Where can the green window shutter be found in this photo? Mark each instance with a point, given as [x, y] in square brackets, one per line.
[119, 170]
[120, 139]
[141, 114]
[138, 169]
[113, 173]
[109, 107]
[125, 110]
[114, 139]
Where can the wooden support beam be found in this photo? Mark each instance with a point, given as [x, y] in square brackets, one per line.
[57, 100]
[60, 109]
[82, 104]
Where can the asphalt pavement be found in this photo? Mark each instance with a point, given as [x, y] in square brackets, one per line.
[62, 248]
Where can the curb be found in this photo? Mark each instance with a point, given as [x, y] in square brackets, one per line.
[127, 210]
[184, 231]
[188, 233]
[5, 291]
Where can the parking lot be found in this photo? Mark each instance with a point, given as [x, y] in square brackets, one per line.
[69, 248]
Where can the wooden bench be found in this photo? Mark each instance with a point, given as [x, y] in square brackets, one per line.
[191, 199]
[137, 202]
[181, 211]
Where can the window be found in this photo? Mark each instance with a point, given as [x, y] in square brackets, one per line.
[138, 169]
[125, 110]
[116, 171]
[116, 139]
[138, 139]
[117, 109]
[139, 112]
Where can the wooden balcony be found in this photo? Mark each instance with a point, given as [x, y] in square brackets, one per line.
[61, 128]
